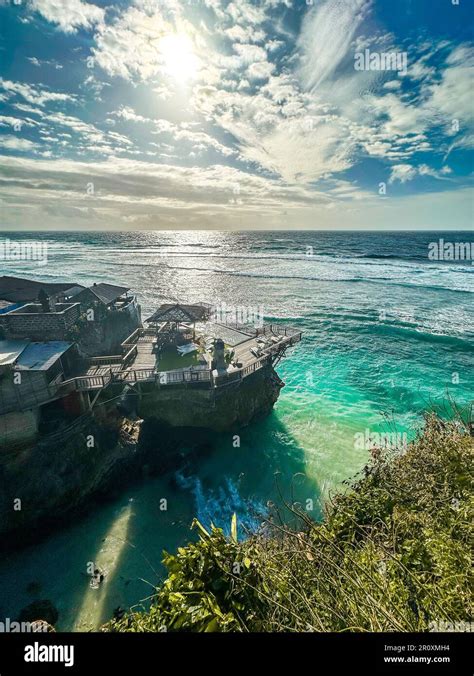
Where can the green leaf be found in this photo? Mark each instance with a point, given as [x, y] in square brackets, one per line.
[202, 531]
[233, 527]
[213, 625]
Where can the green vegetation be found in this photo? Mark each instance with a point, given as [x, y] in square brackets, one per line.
[170, 359]
[391, 555]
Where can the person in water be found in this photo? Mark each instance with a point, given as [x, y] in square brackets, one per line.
[98, 576]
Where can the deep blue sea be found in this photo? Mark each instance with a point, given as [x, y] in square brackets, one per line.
[388, 335]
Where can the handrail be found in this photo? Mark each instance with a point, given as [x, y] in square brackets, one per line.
[112, 359]
[133, 351]
[132, 338]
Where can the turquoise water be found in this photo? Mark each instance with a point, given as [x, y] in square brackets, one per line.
[388, 334]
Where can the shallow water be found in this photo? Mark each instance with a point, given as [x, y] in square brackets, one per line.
[387, 335]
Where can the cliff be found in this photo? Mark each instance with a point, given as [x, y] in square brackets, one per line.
[45, 482]
[58, 475]
[219, 409]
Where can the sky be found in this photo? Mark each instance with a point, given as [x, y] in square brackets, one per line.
[273, 114]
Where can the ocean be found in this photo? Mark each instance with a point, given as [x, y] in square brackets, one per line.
[388, 334]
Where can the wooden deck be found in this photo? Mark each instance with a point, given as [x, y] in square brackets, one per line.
[97, 370]
[251, 353]
[145, 358]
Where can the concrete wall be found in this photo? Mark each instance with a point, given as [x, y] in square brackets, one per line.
[18, 428]
[32, 390]
[40, 326]
[104, 337]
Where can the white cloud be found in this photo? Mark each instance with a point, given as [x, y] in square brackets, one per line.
[450, 100]
[16, 122]
[198, 139]
[238, 33]
[32, 94]
[299, 119]
[130, 46]
[127, 113]
[166, 196]
[326, 37]
[250, 53]
[407, 172]
[260, 71]
[402, 173]
[16, 143]
[36, 62]
[69, 15]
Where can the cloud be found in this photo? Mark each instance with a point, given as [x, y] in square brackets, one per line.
[127, 113]
[326, 36]
[130, 188]
[16, 122]
[237, 33]
[130, 45]
[166, 196]
[406, 172]
[286, 115]
[16, 143]
[44, 62]
[198, 139]
[260, 71]
[449, 101]
[32, 94]
[69, 15]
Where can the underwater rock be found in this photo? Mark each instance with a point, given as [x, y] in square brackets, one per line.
[39, 610]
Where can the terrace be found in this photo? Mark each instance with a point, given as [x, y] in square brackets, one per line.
[152, 355]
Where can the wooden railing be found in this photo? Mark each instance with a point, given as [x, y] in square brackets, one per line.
[132, 338]
[105, 361]
[131, 354]
[277, 329]
[84, 383]
[132, 351]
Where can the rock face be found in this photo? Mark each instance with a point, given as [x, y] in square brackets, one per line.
[220, 409]
[43, 483]
[110, 328]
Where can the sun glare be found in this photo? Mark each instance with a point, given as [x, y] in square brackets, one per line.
[179, 59]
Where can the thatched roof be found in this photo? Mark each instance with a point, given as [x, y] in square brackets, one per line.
[180, 313]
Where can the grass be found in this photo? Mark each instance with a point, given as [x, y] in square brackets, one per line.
[392, 554]
[170, 359]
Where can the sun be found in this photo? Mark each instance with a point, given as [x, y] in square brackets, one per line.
[179, 60]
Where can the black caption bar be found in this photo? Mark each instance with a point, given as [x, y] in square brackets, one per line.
[68, 653]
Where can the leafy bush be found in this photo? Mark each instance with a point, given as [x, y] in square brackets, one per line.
[391, 555]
